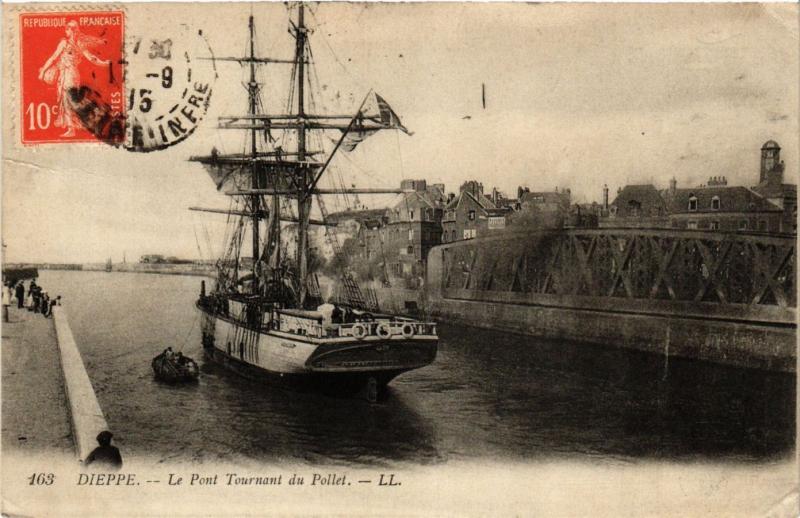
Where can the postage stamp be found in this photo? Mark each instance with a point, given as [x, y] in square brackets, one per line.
[71, 63]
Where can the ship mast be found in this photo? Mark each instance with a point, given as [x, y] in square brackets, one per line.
[252, 90]
[285, 173]
[303, 200]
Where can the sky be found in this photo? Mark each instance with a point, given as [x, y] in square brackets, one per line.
[577, 96]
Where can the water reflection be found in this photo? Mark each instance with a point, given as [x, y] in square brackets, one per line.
[488, 394]
[567, 397]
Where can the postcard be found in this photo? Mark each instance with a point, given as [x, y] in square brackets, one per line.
[399, 259]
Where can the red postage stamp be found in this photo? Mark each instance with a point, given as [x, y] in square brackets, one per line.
[71, 73]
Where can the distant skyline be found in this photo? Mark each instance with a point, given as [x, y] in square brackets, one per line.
[578, 96]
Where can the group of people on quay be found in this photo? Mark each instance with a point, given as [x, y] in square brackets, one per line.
[34, 298]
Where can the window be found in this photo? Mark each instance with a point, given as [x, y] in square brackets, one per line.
[411, 215]
[691, 225]
[762, 225]
[743, 224]
[411, 234]
[714, 225]
[444, 237]
[472, 215]
[410, 250]
[692, 203]
[469, 233]
[453, 235]
[715, 203]
[634, 208]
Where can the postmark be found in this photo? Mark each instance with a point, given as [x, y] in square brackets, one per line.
[66, 59]
[170, 80]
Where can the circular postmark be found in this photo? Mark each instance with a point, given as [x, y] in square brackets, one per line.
[168, 76]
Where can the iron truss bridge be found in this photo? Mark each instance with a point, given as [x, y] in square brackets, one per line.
[744, 277]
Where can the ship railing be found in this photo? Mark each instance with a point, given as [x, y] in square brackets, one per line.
[380, 329]
[367, 330]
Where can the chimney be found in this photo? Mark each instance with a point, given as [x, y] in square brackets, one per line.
[605, 197]
[673, 186]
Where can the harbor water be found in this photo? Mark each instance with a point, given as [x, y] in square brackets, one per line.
[488, 395]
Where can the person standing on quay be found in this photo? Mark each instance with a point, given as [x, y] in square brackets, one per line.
[6, 301]
[37, 295]
[105, 456]
[20, 294]
[55, 302]
[29, 300]
[44, 304]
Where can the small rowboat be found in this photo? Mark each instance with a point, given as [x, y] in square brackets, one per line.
[175, 369]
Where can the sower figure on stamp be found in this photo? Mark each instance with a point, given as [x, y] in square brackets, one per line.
[64, 62]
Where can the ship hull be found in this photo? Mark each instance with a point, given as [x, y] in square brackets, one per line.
[337, 368]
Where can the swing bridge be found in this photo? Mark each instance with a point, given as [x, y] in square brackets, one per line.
[726, 297]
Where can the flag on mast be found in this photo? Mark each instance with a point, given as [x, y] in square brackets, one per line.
[378, 110]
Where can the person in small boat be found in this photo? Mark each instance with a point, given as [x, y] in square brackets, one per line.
[168, 354]
[105, 455]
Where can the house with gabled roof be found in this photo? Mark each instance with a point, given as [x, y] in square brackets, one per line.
[637, 206]
[411, 227]
[472, 214]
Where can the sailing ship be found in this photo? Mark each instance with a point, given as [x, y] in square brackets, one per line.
[265, 317]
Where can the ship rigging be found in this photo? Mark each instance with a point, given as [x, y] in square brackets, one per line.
[274, 319]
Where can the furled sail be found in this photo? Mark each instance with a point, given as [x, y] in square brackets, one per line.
[234, 171]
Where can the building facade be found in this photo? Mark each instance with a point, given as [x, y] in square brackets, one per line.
[471, 214]
[771, 206]
[411, 227]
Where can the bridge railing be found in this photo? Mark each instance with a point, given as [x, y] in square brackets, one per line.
[678, 266]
